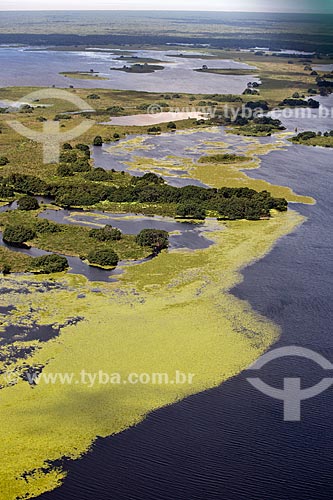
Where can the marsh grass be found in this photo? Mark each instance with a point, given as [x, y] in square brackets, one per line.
[172, 313]
[72, 240]
[133, 326]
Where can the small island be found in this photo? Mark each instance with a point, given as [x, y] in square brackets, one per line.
[83, 75]
[229, 71]
[224, 158]
[309, 138]
[137, 59]
[140, 68]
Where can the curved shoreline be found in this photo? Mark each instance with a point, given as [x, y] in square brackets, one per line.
[135, 325]
[190, 283]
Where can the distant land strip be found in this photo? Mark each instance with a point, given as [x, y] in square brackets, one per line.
[317, 43]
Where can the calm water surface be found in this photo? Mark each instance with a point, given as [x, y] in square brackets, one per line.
[231, 442]
[42, 67]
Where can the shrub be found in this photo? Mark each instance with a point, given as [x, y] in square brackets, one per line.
[18, 234]
[28, 203]
[154, 130]
[98, 141]
[62, 116]
[6, 191]
[107, 233]
[189, 210]
[156, 239]
[6, 269]
[64, 170]
[81, 165]
[45, 226]
[115, 110]
[28, 184]
[50, 264]
[3, 161]
[98, 175]
[150, 178]
[257, 105]
[68, 156]
[305, 136]
[311, 103]
[104, 258]
[82, 147]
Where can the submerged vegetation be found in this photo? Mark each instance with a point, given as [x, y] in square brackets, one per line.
[164, 315]
[169, 313]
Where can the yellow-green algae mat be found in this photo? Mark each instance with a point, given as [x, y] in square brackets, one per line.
[172, 313]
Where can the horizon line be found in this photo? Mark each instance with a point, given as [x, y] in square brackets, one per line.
[172, 10]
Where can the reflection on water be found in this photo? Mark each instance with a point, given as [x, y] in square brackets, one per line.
[42, 68]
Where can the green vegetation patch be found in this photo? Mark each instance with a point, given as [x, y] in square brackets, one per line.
[310, 138]
[224, 158]
[174, 313]
[48, 264]
[231, 72]
[83, 75]
[140, 68]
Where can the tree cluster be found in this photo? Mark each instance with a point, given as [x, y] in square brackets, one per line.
[18, 234]
[28, 203]
[293, 103]
[308, 135]
[107, 233]
[104, 258]
[156, 239]
[148, 189]
[48, 264]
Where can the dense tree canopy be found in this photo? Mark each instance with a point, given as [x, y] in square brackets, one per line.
[49, 264]
[98, 141]
[292, 103]
[18, 234]
[94, 187]
[156, 239]
[190, 211]
[28, 203]
[28, 184]
[104, 258]
[5, 191]
[107, 233]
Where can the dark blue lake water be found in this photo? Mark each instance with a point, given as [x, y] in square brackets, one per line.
[231, 442]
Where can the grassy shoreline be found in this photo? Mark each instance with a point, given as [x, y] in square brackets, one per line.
[206, 342]
[174, 312]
